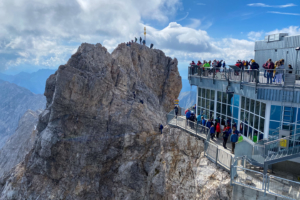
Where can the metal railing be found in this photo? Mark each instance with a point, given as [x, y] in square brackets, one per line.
[283, 187]
[212, 151]
[249, 178]
[262, 76]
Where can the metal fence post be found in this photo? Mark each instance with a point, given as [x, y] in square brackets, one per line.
[217, 155]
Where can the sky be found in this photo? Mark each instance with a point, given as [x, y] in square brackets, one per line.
[38, 34]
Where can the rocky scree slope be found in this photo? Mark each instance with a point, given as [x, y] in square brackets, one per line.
[98, 136]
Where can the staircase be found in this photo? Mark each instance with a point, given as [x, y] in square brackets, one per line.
[272, 152]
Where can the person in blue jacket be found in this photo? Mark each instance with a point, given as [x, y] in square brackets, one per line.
[208, 124]
[188, 115]
[161, 128]
[199, 120]
[203, 123]
[212, 132]
[234, 138]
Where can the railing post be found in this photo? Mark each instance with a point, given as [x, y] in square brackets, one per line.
[217, 155]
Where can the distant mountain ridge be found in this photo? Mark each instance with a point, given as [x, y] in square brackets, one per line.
[187, 99]
[35, 82]
[14, 102]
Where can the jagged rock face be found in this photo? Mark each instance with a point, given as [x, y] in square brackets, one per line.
[20, 143]
[98, 137]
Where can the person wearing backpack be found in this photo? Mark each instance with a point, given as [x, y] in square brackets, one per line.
[161, 127]
[192, 119]
[176, 111]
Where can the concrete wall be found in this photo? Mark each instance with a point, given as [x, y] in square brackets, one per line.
[244, 193]
[287, 166]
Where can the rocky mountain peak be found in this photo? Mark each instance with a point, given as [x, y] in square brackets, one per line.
[99, 130]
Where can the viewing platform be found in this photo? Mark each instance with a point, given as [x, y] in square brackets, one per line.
[249, 83]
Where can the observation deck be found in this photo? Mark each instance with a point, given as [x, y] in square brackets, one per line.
[248, 83]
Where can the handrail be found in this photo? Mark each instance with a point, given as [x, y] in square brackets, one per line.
[284, 138]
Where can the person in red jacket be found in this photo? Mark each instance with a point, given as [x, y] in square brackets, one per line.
[199, 63]
[218, 129]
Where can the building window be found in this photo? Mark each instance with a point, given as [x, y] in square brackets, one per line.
[252, 118]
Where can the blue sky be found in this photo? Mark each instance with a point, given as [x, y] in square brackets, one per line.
[44, 34]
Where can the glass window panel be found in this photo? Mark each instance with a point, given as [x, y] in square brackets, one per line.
[252, 104]
[262, 109]
[235, 112]
[229, 111]
[274, 126]
[208, 94]
[219, 97]
[298, 130]
[224, 98]
[247, 117]
[251, 120]
[247, 104]
[257, 107]
[211, 115]
[199, 111]
[230, 99]
[203, 92]
[207, 104]
[199, 91]
[242, 115]
[212, 95]
[219, 107]
[223, 109]
[275, 113]
[236, 101]
[262, 124]
[256, 120]
[203, 103]
[199, 102]
[294, 115]
[212, 106]
[243, 102]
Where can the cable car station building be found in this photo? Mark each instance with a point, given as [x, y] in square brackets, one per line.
[258, 110]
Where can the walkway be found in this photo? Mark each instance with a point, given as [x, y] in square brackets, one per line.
[214, 149]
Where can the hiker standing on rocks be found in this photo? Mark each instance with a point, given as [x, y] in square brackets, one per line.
[161, 127]
[135, 39]
[141, 40]
[151, 46]
[144, 42]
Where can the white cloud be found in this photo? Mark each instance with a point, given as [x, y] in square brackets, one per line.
[292, 30]
[187, 14]
[46, 33]
[282, 13]
[255, 35]
[271, 6]
[195, 23]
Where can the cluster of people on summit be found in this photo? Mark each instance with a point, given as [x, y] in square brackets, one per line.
[135, 41]
[214, 127]
[273, 72]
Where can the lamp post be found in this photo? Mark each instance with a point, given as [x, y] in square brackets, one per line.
[297, 49]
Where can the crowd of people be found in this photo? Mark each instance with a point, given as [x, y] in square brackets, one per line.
[214, 127]
[135, 41]
[273, 71]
